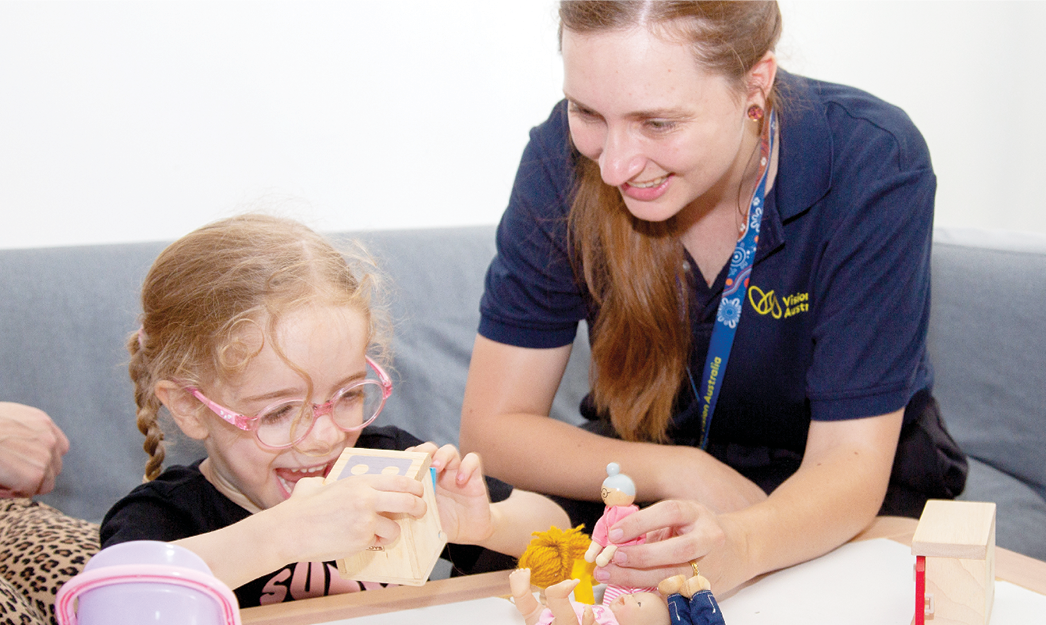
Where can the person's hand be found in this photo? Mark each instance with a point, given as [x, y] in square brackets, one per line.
[461, 494]
[31, 450]
[329, 521]
[677, 532]
[317, 523]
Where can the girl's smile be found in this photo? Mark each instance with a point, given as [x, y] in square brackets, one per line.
[287, 478]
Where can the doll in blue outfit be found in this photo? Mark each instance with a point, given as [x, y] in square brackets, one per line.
[690, 601]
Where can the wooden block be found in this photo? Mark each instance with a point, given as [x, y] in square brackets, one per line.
[954, 529]
[411, 558]
[957, 540]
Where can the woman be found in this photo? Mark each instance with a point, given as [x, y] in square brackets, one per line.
[751, 250]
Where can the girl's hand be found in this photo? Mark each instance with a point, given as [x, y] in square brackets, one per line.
[317, 523]
[678, 532]
[334, 520]
[461, 494]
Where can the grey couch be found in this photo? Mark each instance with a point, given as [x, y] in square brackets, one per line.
[66, 312]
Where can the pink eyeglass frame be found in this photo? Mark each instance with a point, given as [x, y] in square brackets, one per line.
[250, 424]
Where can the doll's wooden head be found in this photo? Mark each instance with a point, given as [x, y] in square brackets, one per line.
[618, 489]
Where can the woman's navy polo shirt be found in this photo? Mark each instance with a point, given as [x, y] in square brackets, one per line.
[835, 320]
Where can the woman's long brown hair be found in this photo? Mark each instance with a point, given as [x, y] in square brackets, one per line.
[641, 337]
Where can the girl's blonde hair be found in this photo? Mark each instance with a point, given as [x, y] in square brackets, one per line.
[207, 289]
[641, 335]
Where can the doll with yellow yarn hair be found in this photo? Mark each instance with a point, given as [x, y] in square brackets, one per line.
[558, 555]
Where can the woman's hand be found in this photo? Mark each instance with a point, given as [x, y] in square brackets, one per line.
[677, 532]
[461, 494]
[836, 491]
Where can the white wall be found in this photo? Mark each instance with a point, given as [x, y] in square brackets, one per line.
[128, 120]
[970, 74]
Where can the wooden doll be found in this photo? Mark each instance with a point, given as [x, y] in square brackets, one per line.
[618, 492]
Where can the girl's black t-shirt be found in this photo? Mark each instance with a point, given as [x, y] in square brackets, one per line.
[181, 503]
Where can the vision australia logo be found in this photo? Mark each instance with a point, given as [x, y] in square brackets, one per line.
[767, 303]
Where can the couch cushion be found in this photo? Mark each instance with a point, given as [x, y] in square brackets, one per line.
[1020, 513]
[436, 280]
[988, 349]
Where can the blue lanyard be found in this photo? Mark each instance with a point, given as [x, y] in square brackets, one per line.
[730, 304]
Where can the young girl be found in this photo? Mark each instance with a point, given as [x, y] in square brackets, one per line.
[255, 338]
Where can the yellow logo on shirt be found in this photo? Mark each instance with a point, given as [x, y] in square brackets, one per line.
[766, 303]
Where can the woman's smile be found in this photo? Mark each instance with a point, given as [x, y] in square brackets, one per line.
[647, 191]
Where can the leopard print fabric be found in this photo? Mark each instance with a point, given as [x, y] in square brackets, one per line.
[16, 609]
[40, 549]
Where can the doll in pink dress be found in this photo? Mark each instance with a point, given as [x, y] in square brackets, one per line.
[618, 492]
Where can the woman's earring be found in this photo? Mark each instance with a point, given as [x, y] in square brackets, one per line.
[755, 112]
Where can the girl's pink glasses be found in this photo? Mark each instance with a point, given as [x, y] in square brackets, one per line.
[286, 423]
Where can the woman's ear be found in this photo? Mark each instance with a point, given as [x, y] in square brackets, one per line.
[184, 408]
[761, 79]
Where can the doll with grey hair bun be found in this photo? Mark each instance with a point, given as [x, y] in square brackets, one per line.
[618, 493]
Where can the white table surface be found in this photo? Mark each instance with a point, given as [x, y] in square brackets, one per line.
[863, 583]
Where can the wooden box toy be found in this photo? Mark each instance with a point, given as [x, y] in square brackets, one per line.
[954, 546]
[411, 558]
